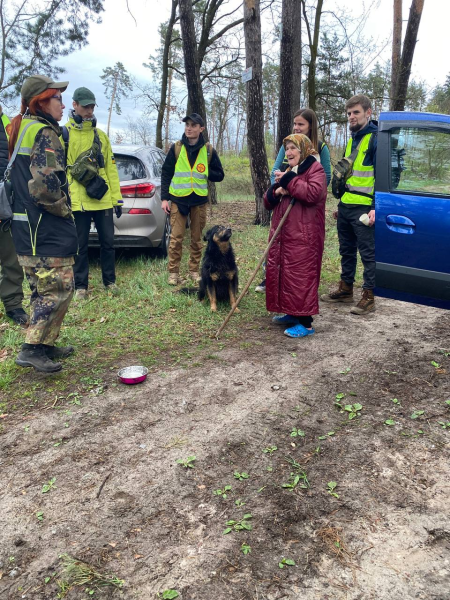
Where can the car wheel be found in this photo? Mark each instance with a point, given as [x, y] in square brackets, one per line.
[164, 247]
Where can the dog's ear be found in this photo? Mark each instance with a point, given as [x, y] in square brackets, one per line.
[208, 235]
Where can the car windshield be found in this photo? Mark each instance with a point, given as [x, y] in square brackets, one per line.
[129, 168]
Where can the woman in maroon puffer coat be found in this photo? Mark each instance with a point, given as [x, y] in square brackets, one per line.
[295, 259]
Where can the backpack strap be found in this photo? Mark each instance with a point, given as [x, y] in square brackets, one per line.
[65, 137]
[177, 149]
[100, 157]
[179, 144]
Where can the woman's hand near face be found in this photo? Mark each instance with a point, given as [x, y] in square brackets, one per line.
[278, 176]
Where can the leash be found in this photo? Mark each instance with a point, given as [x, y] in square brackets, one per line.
[255, 272]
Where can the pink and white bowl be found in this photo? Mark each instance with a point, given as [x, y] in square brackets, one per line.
[132, 375]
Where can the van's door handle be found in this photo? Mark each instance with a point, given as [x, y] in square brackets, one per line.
[400, 224]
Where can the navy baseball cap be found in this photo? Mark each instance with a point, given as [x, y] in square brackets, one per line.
[196, 118]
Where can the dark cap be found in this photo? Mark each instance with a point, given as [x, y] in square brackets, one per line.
[84, 96]
[36, 84]
[196, 118]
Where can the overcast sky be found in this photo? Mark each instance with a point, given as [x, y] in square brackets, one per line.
[119, 38]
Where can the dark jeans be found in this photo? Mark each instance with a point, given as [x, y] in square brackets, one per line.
[355, 237]
[103, 220]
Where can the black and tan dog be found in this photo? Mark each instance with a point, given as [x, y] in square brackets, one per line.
[219, 272]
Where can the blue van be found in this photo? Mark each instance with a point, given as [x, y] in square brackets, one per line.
[412, 208]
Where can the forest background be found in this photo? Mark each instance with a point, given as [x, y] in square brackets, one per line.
[173, 56]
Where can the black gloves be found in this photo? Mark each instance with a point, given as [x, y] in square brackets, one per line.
[118, 211]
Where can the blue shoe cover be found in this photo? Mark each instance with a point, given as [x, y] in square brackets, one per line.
[298, 331]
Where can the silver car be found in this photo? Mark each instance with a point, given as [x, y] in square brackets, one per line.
[143, 223]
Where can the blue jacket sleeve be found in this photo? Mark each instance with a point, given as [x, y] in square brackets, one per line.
[277, 164]
[325, 161]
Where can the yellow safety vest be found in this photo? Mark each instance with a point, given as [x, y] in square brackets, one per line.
[186, 179]
[361, 183]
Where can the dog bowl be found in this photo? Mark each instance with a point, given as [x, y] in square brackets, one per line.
[131, 375]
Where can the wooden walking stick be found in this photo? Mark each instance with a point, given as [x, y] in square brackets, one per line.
[253, 275]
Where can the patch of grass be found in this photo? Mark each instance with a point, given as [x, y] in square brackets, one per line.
[76, 573]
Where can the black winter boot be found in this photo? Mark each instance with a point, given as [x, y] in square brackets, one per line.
[57, 352]
[33, 355]
[19, 316]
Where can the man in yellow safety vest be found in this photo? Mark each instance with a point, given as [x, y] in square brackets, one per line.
[189, 165]
[358, 201]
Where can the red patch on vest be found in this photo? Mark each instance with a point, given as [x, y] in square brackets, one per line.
[201, 168]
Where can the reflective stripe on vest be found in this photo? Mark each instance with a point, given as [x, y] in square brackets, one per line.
[361, 183]
[20, 217]
[187, 180]
[28, 141]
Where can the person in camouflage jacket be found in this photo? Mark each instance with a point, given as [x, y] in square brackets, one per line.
[43, 227]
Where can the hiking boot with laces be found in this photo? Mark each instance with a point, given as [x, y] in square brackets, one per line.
[365, 305]
[33, 355]
[112, 289]
[173, 279]
[80, 294]
[195, 276]
[344, 293]
[53, 352]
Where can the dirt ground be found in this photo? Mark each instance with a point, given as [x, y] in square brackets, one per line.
[121, 502]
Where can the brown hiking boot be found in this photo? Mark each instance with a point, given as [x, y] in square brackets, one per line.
[344, 293]
[195, 276]
[174, 279]
[365, 305]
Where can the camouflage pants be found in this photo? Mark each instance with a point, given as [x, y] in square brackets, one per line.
[51, 292]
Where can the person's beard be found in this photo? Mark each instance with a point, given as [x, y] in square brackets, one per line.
[358, 127]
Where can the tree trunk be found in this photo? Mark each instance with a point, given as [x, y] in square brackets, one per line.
[290, 67]
[396, 48]
[195, 92]
[165, 74]
[409, 45]
[168, 108]
[255, 109]
[196, 100]
[113, 95]
[313, 40]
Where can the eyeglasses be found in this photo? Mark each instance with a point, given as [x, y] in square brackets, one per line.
[59, 98]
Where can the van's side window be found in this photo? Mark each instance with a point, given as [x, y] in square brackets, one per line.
[420, 161]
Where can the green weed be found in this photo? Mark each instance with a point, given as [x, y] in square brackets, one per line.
[49, 485]
[240, 476]
[331, 486]
[187, 463]
[245, 548]
[241, 525]
[286, 562]
[223, 492]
